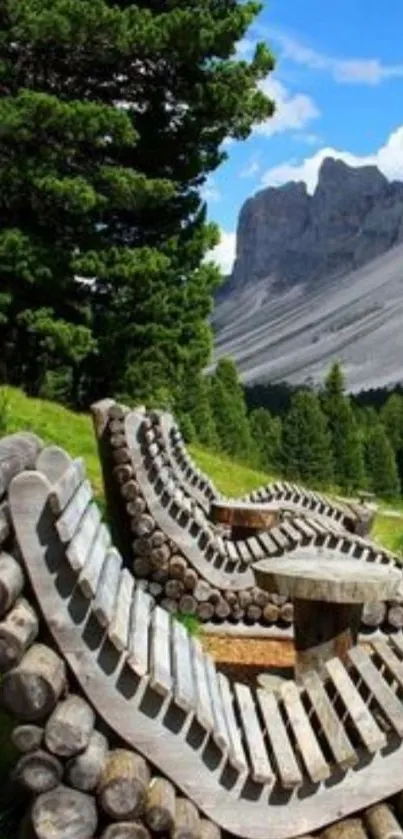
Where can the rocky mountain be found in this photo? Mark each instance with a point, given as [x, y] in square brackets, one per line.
[318, 277]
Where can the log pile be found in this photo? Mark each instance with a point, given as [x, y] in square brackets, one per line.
[81, 784]
[168, 576]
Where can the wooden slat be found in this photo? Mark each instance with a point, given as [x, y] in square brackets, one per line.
[68, 522]
[389, 703]
[339, 743]
[308, 745]
[220, 732]
[268, 544]
[371, 735]
[301, 525]
[232, 552]
[287, 765]
[184, 691]
[80, 545]
[290, 531]
[237, 755]
[4, 521]
[280, 538]
[91, 573]
[397, 641]
[138, 658]
[255, 548]
[63, 490]
[160, 652]
[261, 769]
[393, 664]
[243, 551]
[103, 606]
[316, 525]
[119, 627]
[204, 710]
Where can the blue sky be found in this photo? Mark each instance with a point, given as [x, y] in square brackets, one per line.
[338, 85]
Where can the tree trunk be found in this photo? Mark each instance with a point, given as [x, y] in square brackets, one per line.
[69, 728]
[31, 690]
[64, 813]
[123, 785]
[160, 805]
[27, 738]
[11, 582]
[38, 771]
[84, 771]
[186, 821]
[17, 632]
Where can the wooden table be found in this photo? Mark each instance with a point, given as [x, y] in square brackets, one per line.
[244, 518]
[328, 593]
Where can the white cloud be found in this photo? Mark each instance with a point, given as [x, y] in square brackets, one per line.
[388, 158]
[252, 168]
[293, 111]
[310, 139]
[370, 71]
[210, 191]
[224, 253]
[245, 48]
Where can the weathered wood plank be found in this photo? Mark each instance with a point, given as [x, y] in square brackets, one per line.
[91, 573]
[78, 549]
[160, 653]
[261, 769]
[68, 483]
[184, 692]
[308, 745]
[220, 731]
[389, 703]
[138, 658]
[118, 630]
[338, 741]
[287, 765]
[53, 462]
[204, 710]
[371, 735]
[103, 606]
[236, 754]
[68, 522]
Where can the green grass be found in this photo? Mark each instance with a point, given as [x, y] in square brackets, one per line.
[73, 432]
[232, 479]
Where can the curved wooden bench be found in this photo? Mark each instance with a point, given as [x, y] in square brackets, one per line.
[356, 518]
[252, 762]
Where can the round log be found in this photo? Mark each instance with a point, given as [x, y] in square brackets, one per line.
[64, 813]
[187, 605]
[121, 456]
[141, 546]
[278, 599]
[231, 597]
[190, 579]
[123, 475]
[373, 614]
[177, 567]
[186, 821]
[11, 582]
[38, 771]
[174, 589]
[215, 596]
[253, 613]
[202, 591]
[160, 576]
[169, 605]
[205, 611]
[69, 728]
[123, 785]
[126, 830]
[209, 830]
[117, 439]
[27, 738]
[382, 823]
[136, 507]
[116, 426]
[17, 452]
[271, 613]
[130, 489]
[260, 597]
[118, 412]
[17, 632]
[395, 615]
[155, 589]
[158, 538]
[237, 614]
[31, 690]
[160, 805]
[244, 598]
[222, 609]
[160, 556]
[141, 566]
[144, 525]
[346, 829]
[84, 771]
[287, 612]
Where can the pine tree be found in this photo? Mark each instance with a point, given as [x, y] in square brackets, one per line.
[346, 445]
[306, 442]
[391, 416]
[229, 412]
[195, 402]
[381, 464]
[112, 117]
[266, 431]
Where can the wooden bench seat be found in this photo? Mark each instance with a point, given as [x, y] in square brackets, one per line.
[256, 764]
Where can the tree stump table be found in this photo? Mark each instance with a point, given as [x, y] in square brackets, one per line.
[329, 593]
[244, 518]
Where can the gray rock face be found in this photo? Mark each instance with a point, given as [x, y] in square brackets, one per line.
[318, 278]
[291, 237]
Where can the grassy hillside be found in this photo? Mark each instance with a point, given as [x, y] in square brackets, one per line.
[73, 431]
